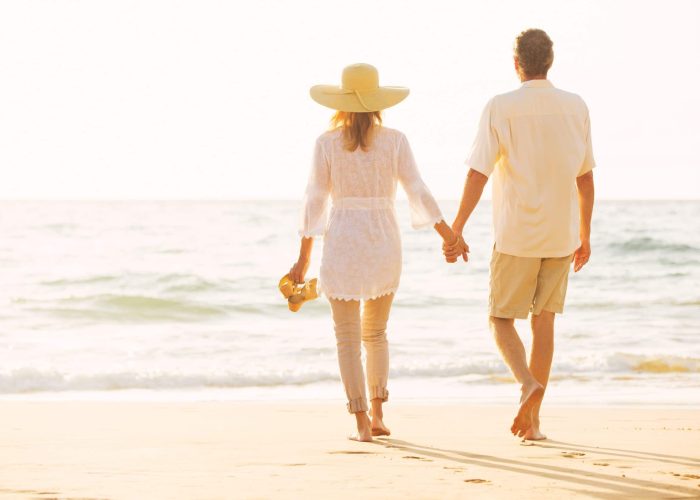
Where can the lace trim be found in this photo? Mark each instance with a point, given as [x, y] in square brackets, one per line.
[345, 297]
[310, 234]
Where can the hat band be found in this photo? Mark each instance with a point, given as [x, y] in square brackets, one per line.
[343, 91]
[359, 98]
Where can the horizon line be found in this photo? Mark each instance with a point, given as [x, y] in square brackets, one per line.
[260, 200]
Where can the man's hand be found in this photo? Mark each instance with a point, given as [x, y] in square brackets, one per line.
[454, 250]
[581, 255]
[586, 197]
[298, 271]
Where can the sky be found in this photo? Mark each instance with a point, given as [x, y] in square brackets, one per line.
[200, 99]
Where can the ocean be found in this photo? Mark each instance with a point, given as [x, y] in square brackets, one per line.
[179, 300]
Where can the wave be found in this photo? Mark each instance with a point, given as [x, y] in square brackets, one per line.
[489, 371]
[27, 380]
[647, 244]
[124, 307]
[168, 282]
[622, 362]
[87, 280]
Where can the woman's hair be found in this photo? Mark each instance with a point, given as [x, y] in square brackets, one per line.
[357, 127]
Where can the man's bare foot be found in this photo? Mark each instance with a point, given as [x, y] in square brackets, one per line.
[534, 434]
[378, 427]
[523, 420]
[364, 428]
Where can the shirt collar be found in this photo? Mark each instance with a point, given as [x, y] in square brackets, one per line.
[537, 84]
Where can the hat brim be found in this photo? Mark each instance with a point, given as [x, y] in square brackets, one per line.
[337, 98]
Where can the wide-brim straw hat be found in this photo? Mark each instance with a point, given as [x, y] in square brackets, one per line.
[360, 91]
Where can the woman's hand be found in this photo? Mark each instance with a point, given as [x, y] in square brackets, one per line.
[452, 250]
[298, 271]
[453, 244]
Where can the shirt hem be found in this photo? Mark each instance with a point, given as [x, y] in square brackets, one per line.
[479, 168]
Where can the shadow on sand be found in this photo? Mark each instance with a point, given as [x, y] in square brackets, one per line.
[614, 486]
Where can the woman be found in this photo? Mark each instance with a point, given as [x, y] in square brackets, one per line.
[358, 163]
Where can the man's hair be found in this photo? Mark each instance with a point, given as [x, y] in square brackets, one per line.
[533, 48]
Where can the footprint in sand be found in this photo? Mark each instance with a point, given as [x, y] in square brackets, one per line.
[477, 481]
[572, 454]
[685, 476]
[414, 457]
[351, 452]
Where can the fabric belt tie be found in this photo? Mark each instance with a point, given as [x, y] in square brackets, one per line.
[363, 203]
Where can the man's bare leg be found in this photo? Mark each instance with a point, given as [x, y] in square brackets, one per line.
[540, 363]
[513, 353]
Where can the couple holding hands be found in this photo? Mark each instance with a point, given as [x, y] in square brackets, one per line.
[536, 144]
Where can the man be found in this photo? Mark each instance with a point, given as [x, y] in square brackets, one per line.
[536, 142]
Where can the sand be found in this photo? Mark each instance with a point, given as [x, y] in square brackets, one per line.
[136, 450]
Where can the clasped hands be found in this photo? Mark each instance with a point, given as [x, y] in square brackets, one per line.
[452, 251]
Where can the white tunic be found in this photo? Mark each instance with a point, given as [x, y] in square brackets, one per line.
[362, 244]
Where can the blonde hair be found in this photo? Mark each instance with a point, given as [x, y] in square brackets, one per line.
[357, 127]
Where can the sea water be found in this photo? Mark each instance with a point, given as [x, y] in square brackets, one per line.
[179, 300]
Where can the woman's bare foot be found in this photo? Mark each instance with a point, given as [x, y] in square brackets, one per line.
[364, 428]
[378, 427]
[531, 393]
[377, 413]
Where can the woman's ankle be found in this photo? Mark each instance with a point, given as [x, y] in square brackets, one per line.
[362, 418]
[377, 410]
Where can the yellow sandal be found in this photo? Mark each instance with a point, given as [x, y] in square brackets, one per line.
[287, 286]
[295, 294]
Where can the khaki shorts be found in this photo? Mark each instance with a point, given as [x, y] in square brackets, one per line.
[527, 284]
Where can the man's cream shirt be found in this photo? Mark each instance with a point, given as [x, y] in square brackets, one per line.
[535, 140]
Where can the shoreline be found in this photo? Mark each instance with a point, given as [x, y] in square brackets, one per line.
[423, 393]
[224, 449]
[170, 399]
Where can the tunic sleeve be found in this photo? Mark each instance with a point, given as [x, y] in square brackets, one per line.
[425, 211]
[314, 212]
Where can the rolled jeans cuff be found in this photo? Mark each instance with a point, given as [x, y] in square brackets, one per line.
[378, 393]
[357, 405]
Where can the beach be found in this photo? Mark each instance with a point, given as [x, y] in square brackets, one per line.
[129, 450]
[147, 354]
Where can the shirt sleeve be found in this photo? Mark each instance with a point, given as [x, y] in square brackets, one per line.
[588, 160]
[485, 150]
[314, 211]
[425, 211]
